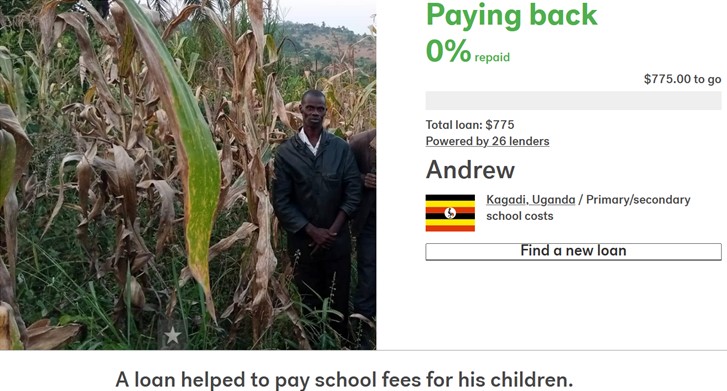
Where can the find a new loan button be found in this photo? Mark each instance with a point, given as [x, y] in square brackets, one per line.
[573, 251]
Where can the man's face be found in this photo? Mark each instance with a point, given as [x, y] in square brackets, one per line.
[313, 109]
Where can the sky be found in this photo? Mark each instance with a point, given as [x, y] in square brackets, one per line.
[355, 15]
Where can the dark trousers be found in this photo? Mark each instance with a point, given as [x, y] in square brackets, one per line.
[325, 277]
[364, 301]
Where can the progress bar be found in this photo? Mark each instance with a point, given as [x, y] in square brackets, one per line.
[573, 100]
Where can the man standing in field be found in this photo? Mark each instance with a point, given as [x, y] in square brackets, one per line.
[364, 228]
[316, 189]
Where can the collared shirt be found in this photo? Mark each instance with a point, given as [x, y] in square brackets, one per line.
[310, 146]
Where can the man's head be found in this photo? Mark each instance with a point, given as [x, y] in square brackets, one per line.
[313, 108]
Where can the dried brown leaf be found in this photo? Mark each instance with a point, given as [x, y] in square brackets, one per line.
[39, 324]
[90, 114]
[126, 172]
[47, 19]
[140, 262]
[278, 103]
[225, 244]
[236, 191]
[163, 130]
[45, 337]
[264, 256]
[207, 110]
[171, 304]
[102, 28]
[183, 16]
[78, 22]
[137, 132]
[137, 293]
[223, 76]
[84, 174]
[242, 92]
[9, 331]
[229, 310]
[71, 157]
[108, 184]
[255, 13]
[29, 189]
[82, 71]
[128, 41]
[166, 210]
[122, 233]
[226, 162]
[7, 294]
[184, 276]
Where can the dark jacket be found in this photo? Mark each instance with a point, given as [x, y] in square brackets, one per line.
[365, 155]
[312, 189]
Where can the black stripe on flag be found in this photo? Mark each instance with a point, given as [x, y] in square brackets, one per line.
[450, 197]
[459, 216]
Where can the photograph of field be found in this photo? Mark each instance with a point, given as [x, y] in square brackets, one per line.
[137, 152]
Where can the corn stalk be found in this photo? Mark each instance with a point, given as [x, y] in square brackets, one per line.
[116, 146]
[15, 152]
[247, 121]
[105, 169]
[196, 151]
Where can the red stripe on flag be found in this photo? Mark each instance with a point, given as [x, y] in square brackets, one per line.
[450, 228]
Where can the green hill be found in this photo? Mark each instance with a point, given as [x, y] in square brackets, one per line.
[320, 45]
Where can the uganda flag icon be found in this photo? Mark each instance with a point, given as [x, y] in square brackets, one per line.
[450, 213]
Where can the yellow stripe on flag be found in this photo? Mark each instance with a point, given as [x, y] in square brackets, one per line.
[450, 204]
[450, 222]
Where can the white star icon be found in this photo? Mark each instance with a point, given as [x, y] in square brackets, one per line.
[172, 336]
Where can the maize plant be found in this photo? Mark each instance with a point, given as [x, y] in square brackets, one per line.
[165, 164]
[119, 161]
[246, 118]
[15, 152]
[143, 142]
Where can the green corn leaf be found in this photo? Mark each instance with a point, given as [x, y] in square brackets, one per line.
[196, 151]
[7, 162]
